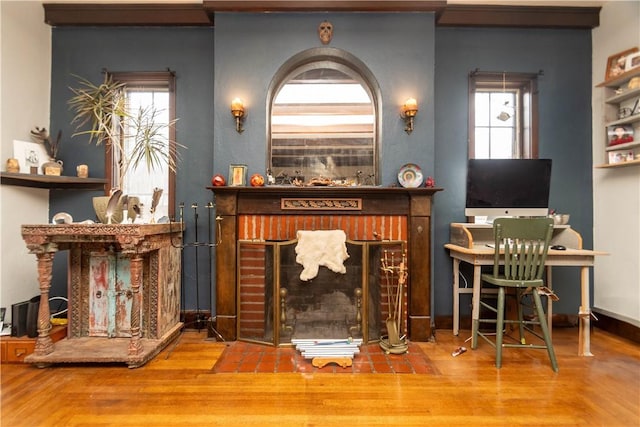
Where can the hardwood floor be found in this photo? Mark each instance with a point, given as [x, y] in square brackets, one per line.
[179, 388]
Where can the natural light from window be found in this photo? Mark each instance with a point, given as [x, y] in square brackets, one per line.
[495, 125]
[140, 182]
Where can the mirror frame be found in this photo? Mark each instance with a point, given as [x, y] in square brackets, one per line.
[332, 58]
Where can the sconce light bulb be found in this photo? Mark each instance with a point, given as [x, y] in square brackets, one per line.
[408, 112]
[237, 111]
[237, 107]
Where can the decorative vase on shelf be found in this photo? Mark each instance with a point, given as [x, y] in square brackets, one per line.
[52, 167]
[13, 165]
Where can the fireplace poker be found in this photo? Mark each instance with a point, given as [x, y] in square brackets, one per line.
[194, 206]
[182, 288]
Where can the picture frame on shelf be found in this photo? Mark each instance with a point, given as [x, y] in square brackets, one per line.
[632, 61]
[620, 156]
[237, 175]
[617, 64]
[30, 154]
[620, 134]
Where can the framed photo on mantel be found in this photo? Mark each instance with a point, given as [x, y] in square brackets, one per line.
[237, 175]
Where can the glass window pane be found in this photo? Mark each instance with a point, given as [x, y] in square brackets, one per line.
[501, 143]
[482, 109]
[502, 109]
[482, 143]
[140, 181]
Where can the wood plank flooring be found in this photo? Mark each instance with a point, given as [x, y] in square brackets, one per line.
[179, 388]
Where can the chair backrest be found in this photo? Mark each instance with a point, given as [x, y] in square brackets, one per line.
[523, 243]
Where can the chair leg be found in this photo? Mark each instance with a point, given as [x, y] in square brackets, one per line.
[545, 330]
[474, 333]
[499, 326]
[519, 296]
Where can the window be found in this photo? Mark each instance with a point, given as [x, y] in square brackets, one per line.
[148, 96]
[503, 117]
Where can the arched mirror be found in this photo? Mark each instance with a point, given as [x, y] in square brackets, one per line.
[323, 126]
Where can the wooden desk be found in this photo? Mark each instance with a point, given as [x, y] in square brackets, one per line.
[469, 244]
[124, 291]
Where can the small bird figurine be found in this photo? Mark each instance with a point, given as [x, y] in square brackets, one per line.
[125, 209]
[155, 199]
[112, 204]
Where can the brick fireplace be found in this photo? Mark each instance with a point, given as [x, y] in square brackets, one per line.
[259, 220]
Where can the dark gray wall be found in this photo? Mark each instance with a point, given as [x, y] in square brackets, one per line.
[407, 55]
[397, 48]
[187, 51]
[564, 94]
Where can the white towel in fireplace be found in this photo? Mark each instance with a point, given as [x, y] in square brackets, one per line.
[321, 247]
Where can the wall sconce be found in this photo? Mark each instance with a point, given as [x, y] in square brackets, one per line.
[237, 111]
[409, 111]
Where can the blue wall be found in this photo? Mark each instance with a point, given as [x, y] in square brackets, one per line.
[409, 58]
[564, 96]
[397, 48]
[188, 52]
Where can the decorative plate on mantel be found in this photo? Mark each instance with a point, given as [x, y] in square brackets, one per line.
[410, 176]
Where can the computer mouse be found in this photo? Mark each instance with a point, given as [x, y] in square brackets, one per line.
[558, 248]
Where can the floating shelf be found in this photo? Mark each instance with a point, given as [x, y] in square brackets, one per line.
[52, 182]
[619, 165]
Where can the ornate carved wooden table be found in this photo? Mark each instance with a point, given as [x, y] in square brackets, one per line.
[124, 291]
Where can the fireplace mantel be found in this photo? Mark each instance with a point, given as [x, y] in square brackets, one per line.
[322, 208]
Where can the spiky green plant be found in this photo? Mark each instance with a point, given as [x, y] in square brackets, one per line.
[99, 109]
[102, 114]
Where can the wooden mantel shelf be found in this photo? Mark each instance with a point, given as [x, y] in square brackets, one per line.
[52, 182]
[322, 190]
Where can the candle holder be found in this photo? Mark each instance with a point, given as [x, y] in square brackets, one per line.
[408, 112]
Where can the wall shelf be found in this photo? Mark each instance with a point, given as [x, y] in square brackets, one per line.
[624, 146]
[619, 96]
[619, 165]
[52, 182]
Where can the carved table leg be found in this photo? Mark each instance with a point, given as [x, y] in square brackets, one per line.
[135, 346]
[44, 345]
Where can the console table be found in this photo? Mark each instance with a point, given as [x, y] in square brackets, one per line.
[469, 243]
[124, 291]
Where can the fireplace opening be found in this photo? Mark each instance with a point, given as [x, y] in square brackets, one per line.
[277, 306]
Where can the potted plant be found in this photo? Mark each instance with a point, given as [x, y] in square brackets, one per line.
[102, 114]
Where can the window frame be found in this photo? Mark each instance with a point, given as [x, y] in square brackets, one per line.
[152, 80]
[526, 87]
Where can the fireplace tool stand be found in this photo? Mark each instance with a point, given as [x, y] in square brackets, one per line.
[392, 342]
[196, 244]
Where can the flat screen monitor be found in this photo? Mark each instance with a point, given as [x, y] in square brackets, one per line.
[508, 187]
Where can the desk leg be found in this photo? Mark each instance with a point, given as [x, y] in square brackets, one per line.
[475, 303]
[549, 301]
[456, 296]
[584, 345]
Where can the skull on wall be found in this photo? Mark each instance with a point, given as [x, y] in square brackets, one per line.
[325, 32]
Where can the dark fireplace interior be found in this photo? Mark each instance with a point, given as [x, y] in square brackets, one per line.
[276, 306]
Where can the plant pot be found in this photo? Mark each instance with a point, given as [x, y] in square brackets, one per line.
[52, 167]
[100, 207]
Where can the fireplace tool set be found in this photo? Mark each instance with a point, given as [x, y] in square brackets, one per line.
[394, 343]
[210, 244]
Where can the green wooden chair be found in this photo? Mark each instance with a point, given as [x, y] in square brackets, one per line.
[519, 265]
